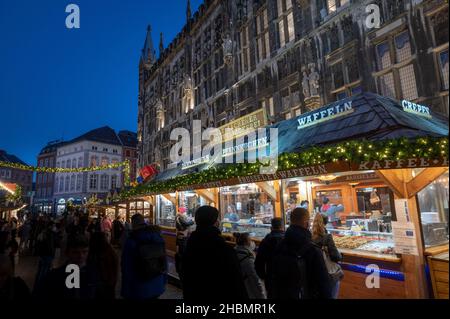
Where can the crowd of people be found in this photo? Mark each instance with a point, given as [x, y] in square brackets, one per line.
[291, 264]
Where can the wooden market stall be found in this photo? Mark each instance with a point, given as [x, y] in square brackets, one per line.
[351, 152]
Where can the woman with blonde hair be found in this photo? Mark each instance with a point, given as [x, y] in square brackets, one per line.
[332, 256]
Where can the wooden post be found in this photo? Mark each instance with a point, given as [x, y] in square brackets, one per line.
[278, 201]
[127, 212]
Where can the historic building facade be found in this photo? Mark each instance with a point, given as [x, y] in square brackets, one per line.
[287, 57]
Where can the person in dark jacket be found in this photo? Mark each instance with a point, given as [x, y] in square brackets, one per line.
[133, 286]
[11, 288]
[210, 266]
[299, 268]
[266, 252]
[54, 286]
[103, 257]
[117, 231]
[321, 237]
[45, 249]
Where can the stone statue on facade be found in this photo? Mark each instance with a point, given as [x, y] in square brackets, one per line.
[187, 86]
[227, 46]
[305, 85]
[313, 81]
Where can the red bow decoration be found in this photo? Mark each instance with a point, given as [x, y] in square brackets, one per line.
[148, 171]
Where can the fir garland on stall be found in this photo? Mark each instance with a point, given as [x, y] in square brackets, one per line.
[355, 151]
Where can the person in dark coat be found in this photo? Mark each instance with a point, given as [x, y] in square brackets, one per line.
[103, 257]
[266, 252]
[305, 278]
[54, 286]
[11, 288]
[45, 249]
[322, 238]
[210, 266]
[133, 286]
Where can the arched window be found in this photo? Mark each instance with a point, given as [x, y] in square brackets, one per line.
[72, 183]
[66, 184]
[80, 162]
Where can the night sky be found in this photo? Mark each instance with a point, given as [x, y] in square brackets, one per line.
[59, 83]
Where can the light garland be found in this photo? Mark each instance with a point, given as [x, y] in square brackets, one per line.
[39, 169]
[355, 151]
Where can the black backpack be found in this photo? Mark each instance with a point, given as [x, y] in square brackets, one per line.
[150, 259]
[289, 273]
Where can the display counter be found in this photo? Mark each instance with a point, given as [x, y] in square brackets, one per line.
[439, 274]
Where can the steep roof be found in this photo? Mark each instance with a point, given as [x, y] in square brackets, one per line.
[128, 138]
[5, 157]
[51, 147]
[103, 134]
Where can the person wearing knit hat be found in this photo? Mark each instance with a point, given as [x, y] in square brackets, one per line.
[206, 216]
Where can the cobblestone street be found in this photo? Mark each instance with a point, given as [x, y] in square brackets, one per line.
[28, 265]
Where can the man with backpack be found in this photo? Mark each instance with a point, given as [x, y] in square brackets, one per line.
[299, 270]
[266, 252]
[144, 263]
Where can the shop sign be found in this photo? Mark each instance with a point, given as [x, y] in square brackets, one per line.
[260, 142]
[416, 109]
[195, 162]
[325, 115]
[403, 163]
[245, 124]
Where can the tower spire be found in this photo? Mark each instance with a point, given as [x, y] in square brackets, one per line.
[188, 11]
[161, 44]
[148, 52]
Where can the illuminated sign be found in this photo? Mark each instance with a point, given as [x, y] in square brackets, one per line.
[417, 109]
[244, 125]
[325, 115]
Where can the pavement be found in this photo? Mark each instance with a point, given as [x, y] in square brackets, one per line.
[28, 265]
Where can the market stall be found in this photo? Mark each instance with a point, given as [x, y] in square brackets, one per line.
[371, 158]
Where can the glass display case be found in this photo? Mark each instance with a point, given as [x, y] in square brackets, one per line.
[165, 214]
[246, 208]
[362, 240]
[433, 205]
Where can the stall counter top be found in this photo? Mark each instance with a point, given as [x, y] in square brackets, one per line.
[431, 251]
[368, 255]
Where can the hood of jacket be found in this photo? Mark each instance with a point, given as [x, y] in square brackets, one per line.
[297, 236]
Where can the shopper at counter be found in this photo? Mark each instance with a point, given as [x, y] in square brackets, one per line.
[245, 248]
[295, 277]
[324, 240]
[210, 266]
[265, 254]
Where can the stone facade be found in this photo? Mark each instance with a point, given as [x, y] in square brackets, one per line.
[288, 56]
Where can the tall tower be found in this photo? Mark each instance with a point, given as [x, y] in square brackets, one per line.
[188, 11]
[148, 52]
[161, 44]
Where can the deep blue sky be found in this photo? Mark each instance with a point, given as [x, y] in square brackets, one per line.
[59, 83]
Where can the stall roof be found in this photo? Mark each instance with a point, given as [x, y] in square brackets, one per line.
[370, 117]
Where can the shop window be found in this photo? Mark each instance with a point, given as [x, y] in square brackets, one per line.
[375, 202]
[190, 201]
[165, 211]
[443, 68]
[408, 82]
[433, 205]
[246, 208]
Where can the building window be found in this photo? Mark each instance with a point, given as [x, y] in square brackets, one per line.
[56, 183]
[67, 184]
[45, 178]
[39, 178]
[79, 179]
[94, 148]
[408, 82]
[46, 162]
[113, 181]
[114, 151]
[402, 47]
[80, 162]
[105, 149]
[63, 164]
[104, 161]
[262, 35]
[245, 51]
[286, 29]
[61, 184]
[50, 162]
[93, 180]
[331, 5]
[94, 161]
[72, 183]
[74, 163]
[387, 85]
[443, 68]
[383, 56]
[104, 182]
[68, 164]
[49, 191]
[271, 107]
[58, 164]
